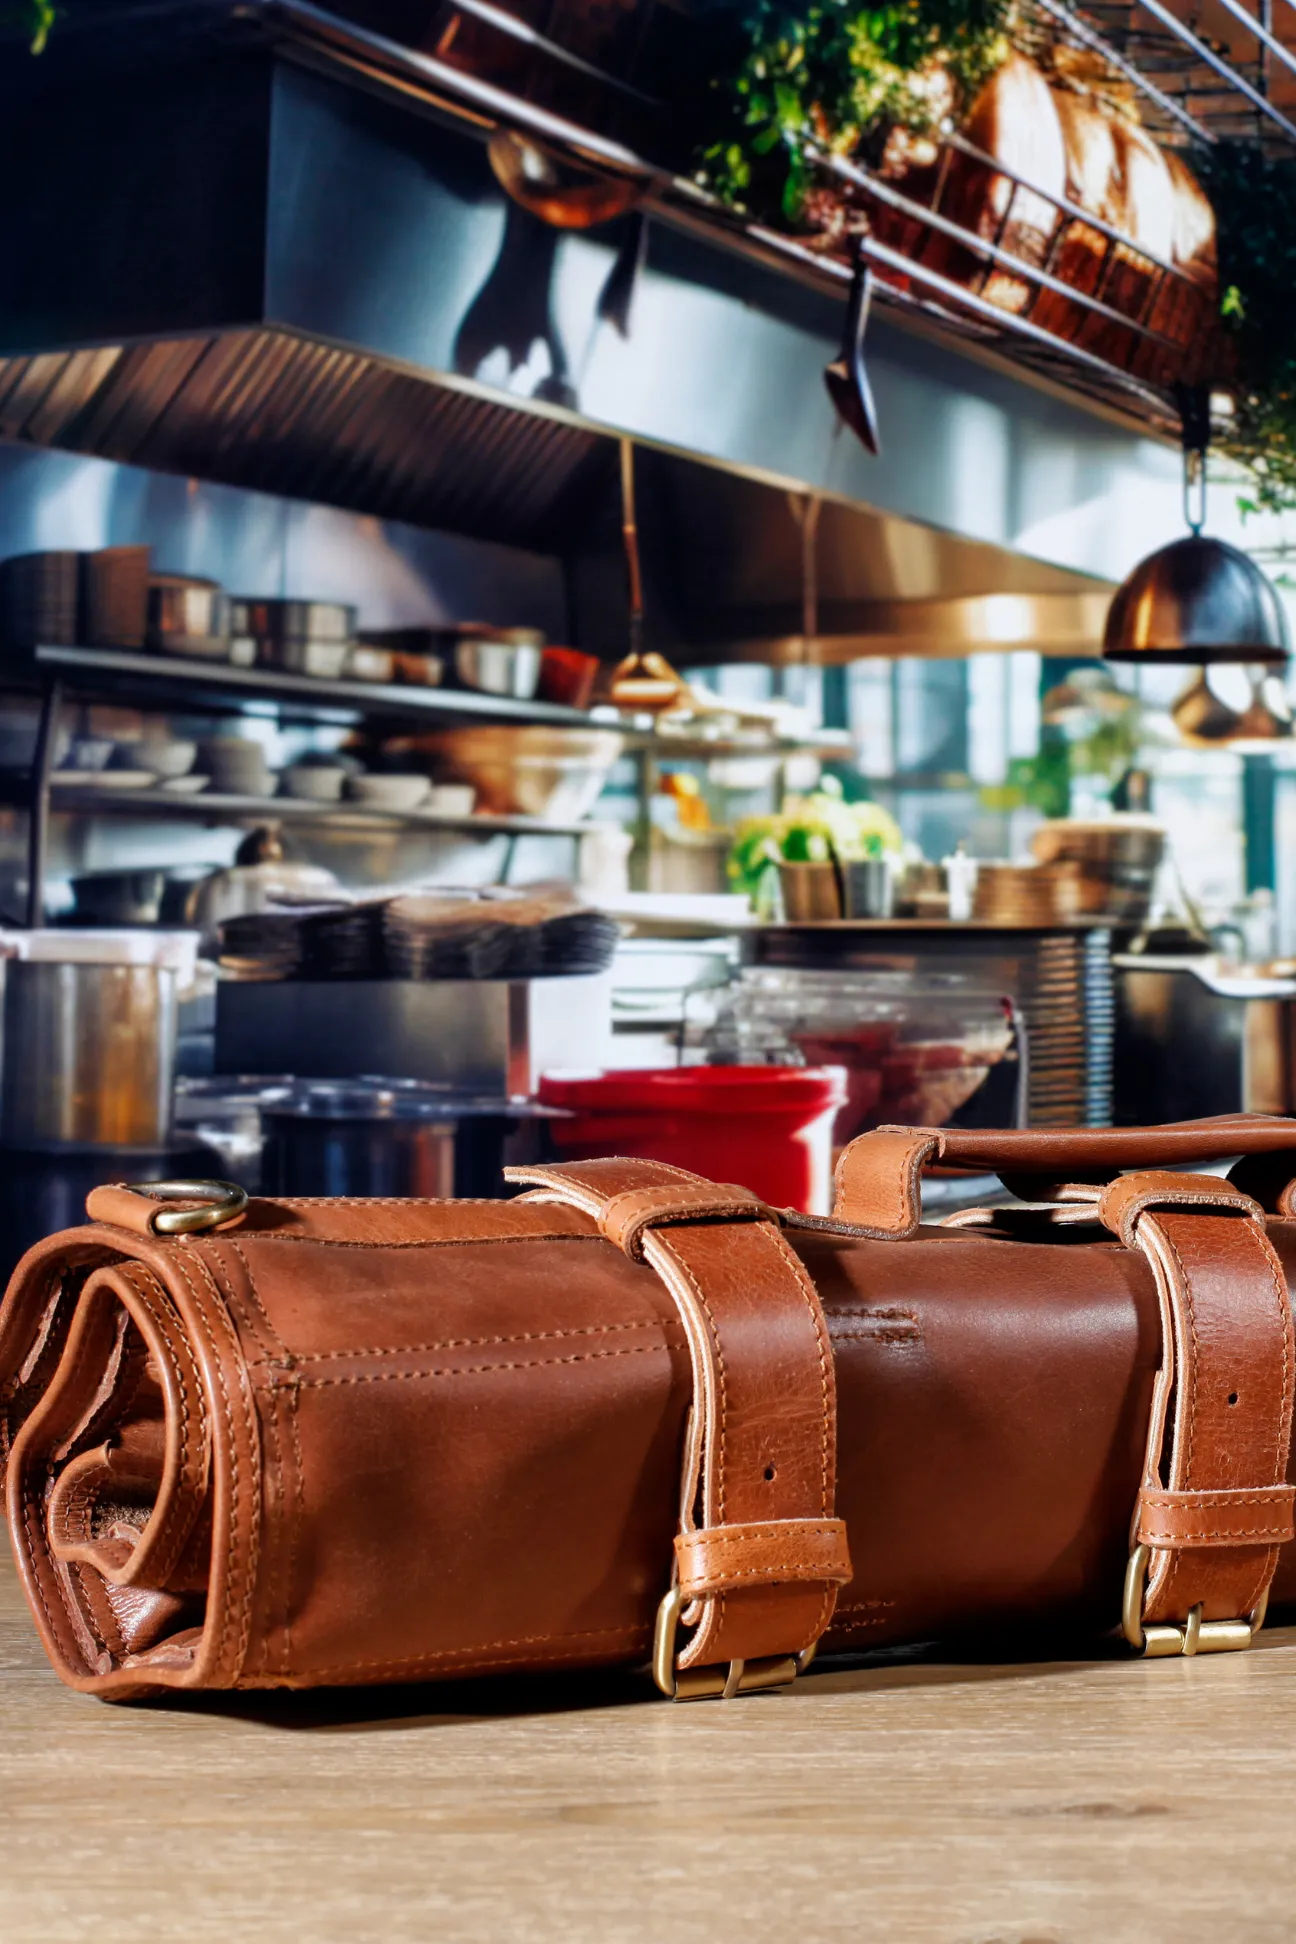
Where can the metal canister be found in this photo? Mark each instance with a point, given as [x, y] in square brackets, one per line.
[89, 1054]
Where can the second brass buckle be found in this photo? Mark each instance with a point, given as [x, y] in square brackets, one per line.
[1198, 1636]
[217, 1202]
[718, 1683]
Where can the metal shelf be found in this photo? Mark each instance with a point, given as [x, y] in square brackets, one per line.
[212, 808]
[220, 685]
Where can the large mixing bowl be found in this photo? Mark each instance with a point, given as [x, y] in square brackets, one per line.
[556, 774]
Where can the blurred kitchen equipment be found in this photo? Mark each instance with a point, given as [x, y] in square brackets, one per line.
[237, 766]
[314, 782]
[506, 665]
[1027, 894]
[1197, 600]
[368, 664]
[560, 192]
[167, 757]
[567, 676]
[868, 887]
[115, 596]
[646, 681]
[811, 893]
[395, 793]
[300, 637]
[540, 772]
[118, 897]
[187, 616]
[480, 1036]
[1057, 978]
[367, 1137]
[1117, 859]
[769, 1129]
[39, 599]
[921, 892]
[914, 1051]
[1193, 1039]
[451, 799]
[259, 875]
[43, 1188]
[417, 654]
[89, 1053]
[222, 1113]
[1200, 716]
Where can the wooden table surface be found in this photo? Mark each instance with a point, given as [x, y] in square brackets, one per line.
[969, 1803]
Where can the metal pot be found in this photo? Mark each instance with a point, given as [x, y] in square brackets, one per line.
[119, 897]
[188, 617]
[504, 667]
[89, 1053]
[385, 1137]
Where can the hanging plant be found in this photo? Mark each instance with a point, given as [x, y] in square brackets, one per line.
[1254, 197]
[33, 19]
[838, 75]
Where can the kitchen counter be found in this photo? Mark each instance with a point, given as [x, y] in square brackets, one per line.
[955, 1802]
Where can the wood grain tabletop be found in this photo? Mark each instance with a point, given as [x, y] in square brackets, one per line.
[963, 1801]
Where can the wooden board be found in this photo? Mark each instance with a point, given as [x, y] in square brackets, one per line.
[961, 1802]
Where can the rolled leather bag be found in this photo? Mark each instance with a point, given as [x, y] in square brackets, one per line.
[637, 1416]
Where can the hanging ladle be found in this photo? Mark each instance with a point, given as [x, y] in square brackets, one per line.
[563, 194]
[847, 377]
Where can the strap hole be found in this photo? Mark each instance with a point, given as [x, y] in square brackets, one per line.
[1233, 1397]
[771, 1472]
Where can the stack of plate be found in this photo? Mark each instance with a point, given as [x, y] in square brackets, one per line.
[38, 599]
[115, 596]
[317, 941]
[493, 935]
[1027, 895]
[1117, 859]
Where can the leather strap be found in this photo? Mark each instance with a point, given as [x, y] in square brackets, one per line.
[1215, 1505]
[879, 1174]
[760, 1555]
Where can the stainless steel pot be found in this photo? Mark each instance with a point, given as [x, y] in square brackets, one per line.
[510, 666]
[385, 1137]
[89, 1053]
[188, 617]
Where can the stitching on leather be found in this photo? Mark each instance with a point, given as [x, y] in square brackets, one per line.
[245, 1618]
[717, 1440]
[255, 1311]
[477, 1370]
[742, 1535]
[429, 1242]
[463, 1656]
[138, 1276]
[1185, 1285]
[820, 1329]
[476, 1343]
[1175, 1541]
[296, 1523]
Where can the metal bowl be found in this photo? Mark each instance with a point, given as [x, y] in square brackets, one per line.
[538, 772]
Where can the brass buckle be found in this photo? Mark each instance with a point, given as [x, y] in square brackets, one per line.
[715, 1683]
[1198, 1636]
[222, 1202]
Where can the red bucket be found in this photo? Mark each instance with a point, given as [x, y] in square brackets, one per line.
[768, 1129]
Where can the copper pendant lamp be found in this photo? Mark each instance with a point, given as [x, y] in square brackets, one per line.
[1198, 600]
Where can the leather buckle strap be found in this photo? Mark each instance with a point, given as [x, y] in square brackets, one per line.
[1215, 1506]
[759, 1556]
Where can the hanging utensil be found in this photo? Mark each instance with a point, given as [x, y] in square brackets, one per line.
[564, 194]
[847, 376]
[1200, 716]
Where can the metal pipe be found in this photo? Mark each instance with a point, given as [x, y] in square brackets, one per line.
[1090, 37]
[852, 172]
[1215, 61]
[1020, 326]
[519, 30]
[38, 806]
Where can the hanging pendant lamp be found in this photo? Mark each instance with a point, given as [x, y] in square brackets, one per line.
[1197, 600]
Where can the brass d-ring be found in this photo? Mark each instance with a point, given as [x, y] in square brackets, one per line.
[221, 1202]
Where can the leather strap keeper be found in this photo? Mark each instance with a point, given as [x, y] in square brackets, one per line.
[1132, 1195]
[1262, 1517]
[626, 1218]
[724, 1559]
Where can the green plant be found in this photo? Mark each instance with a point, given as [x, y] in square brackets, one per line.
[835, 73]
[1254, 198]
[32, 18]
[811, 830]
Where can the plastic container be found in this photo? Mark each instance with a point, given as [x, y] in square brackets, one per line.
[767, 1128]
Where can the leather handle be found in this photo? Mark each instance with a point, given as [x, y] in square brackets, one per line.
[879, 1174]
[760, 1556]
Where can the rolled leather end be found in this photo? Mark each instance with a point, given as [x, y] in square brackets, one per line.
[769, 1552]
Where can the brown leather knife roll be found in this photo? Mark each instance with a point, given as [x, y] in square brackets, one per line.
[636, 1415]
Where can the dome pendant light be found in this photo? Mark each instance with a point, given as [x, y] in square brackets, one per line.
[1197, 600]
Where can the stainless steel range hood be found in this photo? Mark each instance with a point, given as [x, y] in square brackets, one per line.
[252, 263]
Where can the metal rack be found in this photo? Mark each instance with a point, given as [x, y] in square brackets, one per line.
[1188, 89]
